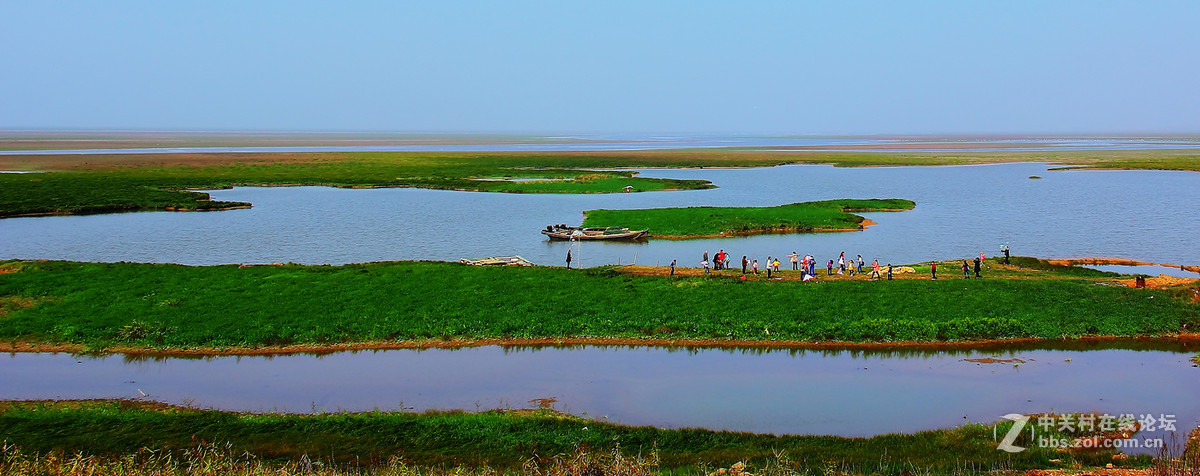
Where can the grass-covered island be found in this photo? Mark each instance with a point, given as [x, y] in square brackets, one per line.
[140, 437]
[103, 184]
[708, 222]
[215, 309]
[117, 182]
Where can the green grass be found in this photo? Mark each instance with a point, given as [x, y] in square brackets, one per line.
[498, 439]
[709, 221]
[171, 306]
[129, 182]
[71, 193]
[108, 188]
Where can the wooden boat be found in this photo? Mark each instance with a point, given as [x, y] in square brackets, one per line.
[497, 261]
[564, 232]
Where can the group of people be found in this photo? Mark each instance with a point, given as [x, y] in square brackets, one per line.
[807, 265]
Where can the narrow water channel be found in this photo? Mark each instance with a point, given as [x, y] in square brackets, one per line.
[840, 392]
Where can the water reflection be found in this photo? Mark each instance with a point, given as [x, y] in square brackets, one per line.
[857, 351]
[802, 391]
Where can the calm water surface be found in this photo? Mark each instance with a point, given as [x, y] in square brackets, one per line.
[1145, 269]
[960, 212]
[782, 391]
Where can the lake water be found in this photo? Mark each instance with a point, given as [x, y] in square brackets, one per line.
[961, 211]
[837, 392]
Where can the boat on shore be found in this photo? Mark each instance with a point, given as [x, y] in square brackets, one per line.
[564, 232]
[497, 261]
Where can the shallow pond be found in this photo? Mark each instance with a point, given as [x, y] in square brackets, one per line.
[839, 392]
[961, 211]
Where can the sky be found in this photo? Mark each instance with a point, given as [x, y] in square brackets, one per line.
[613, 67]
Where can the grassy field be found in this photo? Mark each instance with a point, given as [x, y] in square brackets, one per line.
[102, 305]
[98, 184]
[128, 182]
[501, 440]
[693, 222]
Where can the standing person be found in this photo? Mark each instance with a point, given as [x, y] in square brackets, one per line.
[768, 268]
[568, 258]
[875, 269]
[705, 265]
[1005, 254]
[745, 263]
[755, 267]
[889, 271]
[981, 256]
[860, 264]
[842, 263]
[966, 270]
[977, 263]
[933, 270]
[705, 256]
[829, 268]
[672, 267]
[795, 261]
[804, 263]
[776, 263]
[720, 260]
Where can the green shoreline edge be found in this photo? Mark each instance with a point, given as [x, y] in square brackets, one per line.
[163, 306]
[505, 440]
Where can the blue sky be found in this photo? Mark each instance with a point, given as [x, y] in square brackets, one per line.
[847, 67]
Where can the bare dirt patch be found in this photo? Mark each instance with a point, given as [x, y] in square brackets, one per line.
[11, 304]
[1162, 281]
